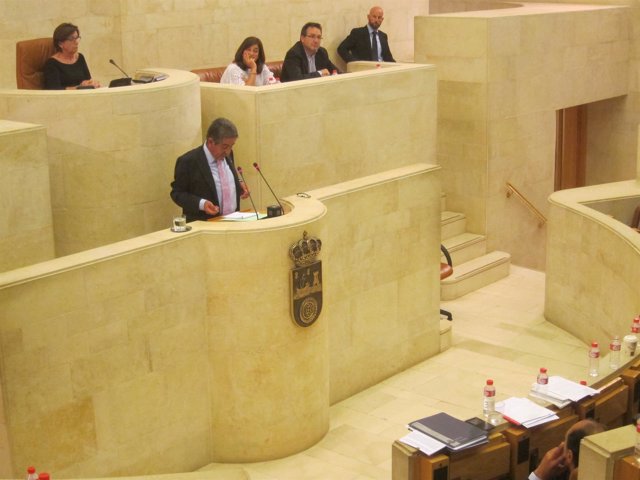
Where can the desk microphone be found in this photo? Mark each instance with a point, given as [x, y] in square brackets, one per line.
[119, 82]
[272, 210]
[118, 67]
[239, 168]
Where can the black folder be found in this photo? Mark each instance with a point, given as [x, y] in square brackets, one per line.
[454, 433]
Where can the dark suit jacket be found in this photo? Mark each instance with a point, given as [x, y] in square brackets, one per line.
[296, 66]
[193, 181]
[357, 46]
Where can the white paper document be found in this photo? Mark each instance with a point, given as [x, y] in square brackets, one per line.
[242, 216]
[523, 411]
[422, 442]
[563, 388]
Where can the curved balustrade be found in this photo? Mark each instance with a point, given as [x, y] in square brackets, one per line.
[593, 263]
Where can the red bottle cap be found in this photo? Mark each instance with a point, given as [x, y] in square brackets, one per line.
[594, 344]
[31, 470]
[543, 370]
[43, 476]
[489, 382]
[583, 382]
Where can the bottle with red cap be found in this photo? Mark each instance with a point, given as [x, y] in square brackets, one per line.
[542, 381]
[636, 451]
[31, 473]
[489, 400]
[630, 341]
[594, 359]
[614, 353]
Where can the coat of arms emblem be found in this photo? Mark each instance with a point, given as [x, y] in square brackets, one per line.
[306, 280]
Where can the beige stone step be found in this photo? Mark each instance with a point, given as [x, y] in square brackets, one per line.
[465, 247]
[475, 274]
[452, 224]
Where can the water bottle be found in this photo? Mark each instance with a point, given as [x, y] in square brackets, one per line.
[631, 340]
[594, 360]
[271, 80]
[31, 473]
[334, 72]
[542, 381]
[489, 400]
[614, 353]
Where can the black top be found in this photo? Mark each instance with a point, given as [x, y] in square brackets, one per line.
[296, 65]
[357, 46]
[58, 75]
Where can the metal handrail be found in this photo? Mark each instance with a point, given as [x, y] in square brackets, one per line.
[541, 218]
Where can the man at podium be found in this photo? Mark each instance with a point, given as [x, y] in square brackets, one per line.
[206, 183]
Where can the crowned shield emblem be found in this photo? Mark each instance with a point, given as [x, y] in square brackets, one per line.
[306, 280]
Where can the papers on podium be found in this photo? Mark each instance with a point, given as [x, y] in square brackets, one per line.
[522, 411]
[561, 392]
[439, 431]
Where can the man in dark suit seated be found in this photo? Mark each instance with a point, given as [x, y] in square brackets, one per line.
[367, 43]
[561, 462]
[307, 59]
[206, 183]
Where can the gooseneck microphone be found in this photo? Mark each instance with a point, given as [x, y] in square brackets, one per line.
[118, 67]
[272, 210]
[119, 82]
[239, 168]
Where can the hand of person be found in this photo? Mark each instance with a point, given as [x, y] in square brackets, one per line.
[90, 83]
[210, 208]
[324, 72]
[249, 61]
[552, 463]
[245, 191]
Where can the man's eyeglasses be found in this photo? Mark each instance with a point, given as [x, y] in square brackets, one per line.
[314, 37]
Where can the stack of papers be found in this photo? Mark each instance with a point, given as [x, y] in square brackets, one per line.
[522, 411]
[440, 431]
[242, 216]
[560, 391]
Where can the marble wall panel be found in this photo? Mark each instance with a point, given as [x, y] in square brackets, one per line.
[312, 133]
[593, 264]
[26, 225]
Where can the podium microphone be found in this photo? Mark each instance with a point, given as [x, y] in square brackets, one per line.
[119, 82]
[239, 168]
[272, 210]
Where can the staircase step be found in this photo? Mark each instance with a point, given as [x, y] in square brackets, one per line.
[452, 224]
[475, 274]
[465, 247]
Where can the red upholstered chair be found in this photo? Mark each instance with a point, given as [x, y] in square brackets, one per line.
[31, 56]
[635, 223]
[446, 270]
[213, 74]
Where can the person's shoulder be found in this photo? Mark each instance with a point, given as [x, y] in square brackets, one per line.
[294, 50]
[191, 155]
